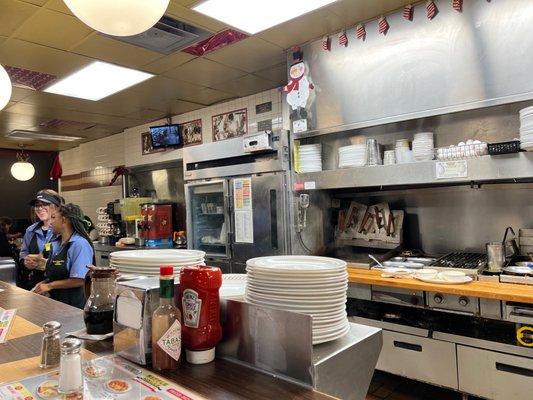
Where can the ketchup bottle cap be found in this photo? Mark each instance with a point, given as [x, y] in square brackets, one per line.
[166, 270]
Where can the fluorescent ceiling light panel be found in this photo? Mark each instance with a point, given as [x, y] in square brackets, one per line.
[98, 80]
[19, 134]
[254, 16]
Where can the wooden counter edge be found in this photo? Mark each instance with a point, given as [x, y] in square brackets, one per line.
[487, 290]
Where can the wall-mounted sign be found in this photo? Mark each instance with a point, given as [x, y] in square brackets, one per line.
[191, 132]
[146, 144]
[265, 125]
[451, 169]
[229, 125]
[263, 107]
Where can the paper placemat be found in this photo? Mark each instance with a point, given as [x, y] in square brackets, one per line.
[6, 320]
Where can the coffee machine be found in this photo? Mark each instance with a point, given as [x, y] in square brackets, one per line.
[115, 221]
[157, 224]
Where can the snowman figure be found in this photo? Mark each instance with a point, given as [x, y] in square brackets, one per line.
[298, 88]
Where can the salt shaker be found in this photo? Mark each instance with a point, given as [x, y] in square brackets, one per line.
[70, 375]
[50, 345]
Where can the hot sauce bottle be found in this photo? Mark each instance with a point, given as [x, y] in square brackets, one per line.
[200, 304]
[166, 325]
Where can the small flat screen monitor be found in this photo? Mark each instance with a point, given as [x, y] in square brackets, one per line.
[166, 136]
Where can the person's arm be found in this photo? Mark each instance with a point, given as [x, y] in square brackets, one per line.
[80, 255]
[44, 287]
[24, 251]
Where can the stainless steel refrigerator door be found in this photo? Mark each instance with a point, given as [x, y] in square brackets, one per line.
[269, 209]
[208, 222]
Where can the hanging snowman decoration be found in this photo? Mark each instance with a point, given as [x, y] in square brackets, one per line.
[298, 90]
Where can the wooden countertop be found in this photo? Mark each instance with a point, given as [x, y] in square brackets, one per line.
[487, 290]
[19, 356]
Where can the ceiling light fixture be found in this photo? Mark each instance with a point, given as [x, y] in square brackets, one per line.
[22, 170]
[254, 16]
[119, 17]
[21, 134]
[5, 88]
[98, 80]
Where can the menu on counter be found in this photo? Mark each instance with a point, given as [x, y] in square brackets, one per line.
[105, 378]
[244, 217]
[6, 319]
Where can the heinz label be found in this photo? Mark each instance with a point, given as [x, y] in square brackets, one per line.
[192, 305]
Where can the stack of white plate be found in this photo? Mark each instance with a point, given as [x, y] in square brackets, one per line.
[352, 156]
[526, 128]
[147, 262]
[310, 158]
[309, 285]
[423, 148]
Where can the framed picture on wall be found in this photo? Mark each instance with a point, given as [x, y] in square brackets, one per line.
[191, 132]
[146, 144]
[229, 125]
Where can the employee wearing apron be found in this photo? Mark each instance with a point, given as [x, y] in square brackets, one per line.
[72, 253]
[36, 244]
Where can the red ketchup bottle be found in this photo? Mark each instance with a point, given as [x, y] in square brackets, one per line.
[201, 329]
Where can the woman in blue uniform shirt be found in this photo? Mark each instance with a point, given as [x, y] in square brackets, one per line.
[72, 252]
[36, 243]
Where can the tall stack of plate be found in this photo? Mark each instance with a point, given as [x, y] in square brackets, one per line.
[423, 148]
[526, 128]
[310, 157]
[352, 156]
[147, 262]
[309, 285]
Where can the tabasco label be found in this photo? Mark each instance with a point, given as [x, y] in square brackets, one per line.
[192, 306]
[170, 342]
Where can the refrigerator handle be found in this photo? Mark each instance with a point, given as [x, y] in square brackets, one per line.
[273, 219]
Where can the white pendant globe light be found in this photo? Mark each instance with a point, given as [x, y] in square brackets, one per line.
[119, 17]
[22, 170]
[5, 88]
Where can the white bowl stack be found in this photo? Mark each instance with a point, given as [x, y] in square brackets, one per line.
[310, 157]
[352, 156]
[423, 148]
[308, 285]
[526, 128]
[147, 262]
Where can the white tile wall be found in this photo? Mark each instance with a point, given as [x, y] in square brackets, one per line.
[125, 148]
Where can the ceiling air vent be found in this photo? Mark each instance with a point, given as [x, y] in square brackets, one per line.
[167, 36]
[31, 135]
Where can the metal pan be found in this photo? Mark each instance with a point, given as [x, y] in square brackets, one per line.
[404, 264]
[517, 270]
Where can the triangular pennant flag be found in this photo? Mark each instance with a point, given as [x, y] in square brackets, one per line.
[326, 43]
[383, 25]
[360, 32]
[431, 9]
[457, 5]
[408, 12]
[343, 39]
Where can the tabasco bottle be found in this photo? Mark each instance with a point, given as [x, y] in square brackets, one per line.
[166, 325]
[200, 304]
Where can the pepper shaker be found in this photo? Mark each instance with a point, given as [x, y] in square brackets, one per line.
[70, 375]
[50, 345]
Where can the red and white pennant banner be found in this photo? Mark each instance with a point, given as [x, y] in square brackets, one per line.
[360, 32]
[343, 39]
[408, 12]
[431, 9]
[326, 43]
[383, 25]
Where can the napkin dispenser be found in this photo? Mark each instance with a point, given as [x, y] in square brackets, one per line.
[135, 302]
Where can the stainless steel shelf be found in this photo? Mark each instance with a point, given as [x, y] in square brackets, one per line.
[482, 169]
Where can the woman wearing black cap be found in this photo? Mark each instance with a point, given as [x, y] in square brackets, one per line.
[72, 253]
[36, 243]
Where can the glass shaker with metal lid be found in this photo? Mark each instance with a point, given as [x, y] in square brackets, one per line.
[98, 311]
[50, 345]
[70, 375]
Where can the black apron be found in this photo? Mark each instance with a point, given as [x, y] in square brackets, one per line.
[56, 270]
[28, 278]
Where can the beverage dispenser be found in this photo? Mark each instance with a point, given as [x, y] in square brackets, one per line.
[157, 224]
